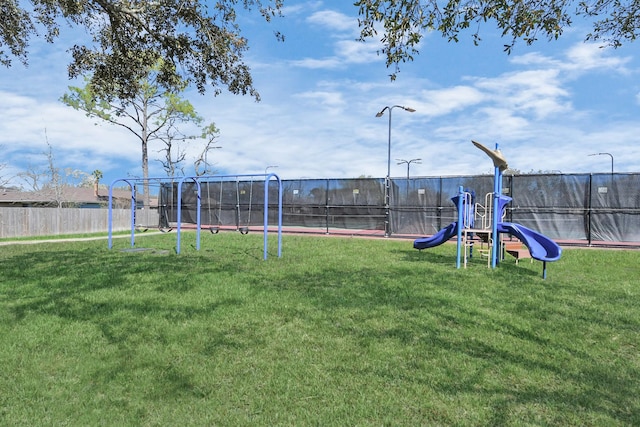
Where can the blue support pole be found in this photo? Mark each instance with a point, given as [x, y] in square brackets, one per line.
[497, 184]
[266, 216]
[267, 179]
[133, 211]
[460, 224]
[134, 206]
[500, 211]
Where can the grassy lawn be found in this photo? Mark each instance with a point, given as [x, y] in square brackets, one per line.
[339, 331]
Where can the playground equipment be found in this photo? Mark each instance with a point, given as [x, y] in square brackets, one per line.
[151, 198]
[475, 230]
[172, 200]
[491, 225]
[225, 196]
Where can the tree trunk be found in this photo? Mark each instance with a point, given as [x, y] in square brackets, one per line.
[145, 158]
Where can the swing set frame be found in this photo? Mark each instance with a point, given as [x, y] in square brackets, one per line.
[197, 180]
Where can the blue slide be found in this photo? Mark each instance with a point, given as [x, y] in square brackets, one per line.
[437, 239]
[540, 246]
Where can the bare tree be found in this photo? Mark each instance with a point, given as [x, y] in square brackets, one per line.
[4, 180]
[210, 134]
[32, 177]
[174, 153]
[51, 180]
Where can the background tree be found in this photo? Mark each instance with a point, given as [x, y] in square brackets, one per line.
[201, 164]
[152, 114]
[195, 41]
[4, 180]
[51, 180]
[173, 150]
[32, 178]
[403, 22]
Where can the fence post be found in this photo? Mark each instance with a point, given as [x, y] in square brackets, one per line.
[326, 206]
[589, 209]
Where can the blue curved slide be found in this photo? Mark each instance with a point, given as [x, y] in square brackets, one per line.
[540, 246]
[437, 239]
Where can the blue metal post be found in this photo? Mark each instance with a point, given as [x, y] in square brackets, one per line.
[497, 184]
[460, 224]
[133, 210]
[266, 212]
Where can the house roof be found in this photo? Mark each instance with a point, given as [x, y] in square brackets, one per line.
[67, 195]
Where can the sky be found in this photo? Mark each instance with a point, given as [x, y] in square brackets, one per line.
[547, 106]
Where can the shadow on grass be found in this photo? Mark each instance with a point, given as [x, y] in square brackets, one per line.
[474, 316]
[490, 333]
[91, 285]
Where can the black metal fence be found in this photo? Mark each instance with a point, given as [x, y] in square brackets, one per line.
[578, 207]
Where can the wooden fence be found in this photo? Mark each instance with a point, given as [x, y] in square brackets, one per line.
[23, 222]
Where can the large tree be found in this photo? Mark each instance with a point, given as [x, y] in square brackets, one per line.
[197, 41]
[153, 113]
[403, 23]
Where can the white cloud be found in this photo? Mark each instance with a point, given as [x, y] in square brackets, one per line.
[578, 59]
[328, 99]
[444, 101]
[75, 139]
[355, 52]
[313, 63]
[297, 9]
[535, 58]
[539, 92]
[333, 21]
[589, 56]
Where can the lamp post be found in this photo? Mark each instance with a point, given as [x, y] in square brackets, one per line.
[605, 154]
[380, 114]
[269, 167]
[408, 162]
[387, 229]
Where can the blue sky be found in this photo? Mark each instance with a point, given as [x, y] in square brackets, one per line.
[548, 106]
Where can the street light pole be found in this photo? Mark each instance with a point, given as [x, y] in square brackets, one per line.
[387, 230]
[408, 162]
[605, 154]
[380, 114]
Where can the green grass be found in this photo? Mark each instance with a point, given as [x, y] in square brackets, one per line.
[339, 331]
